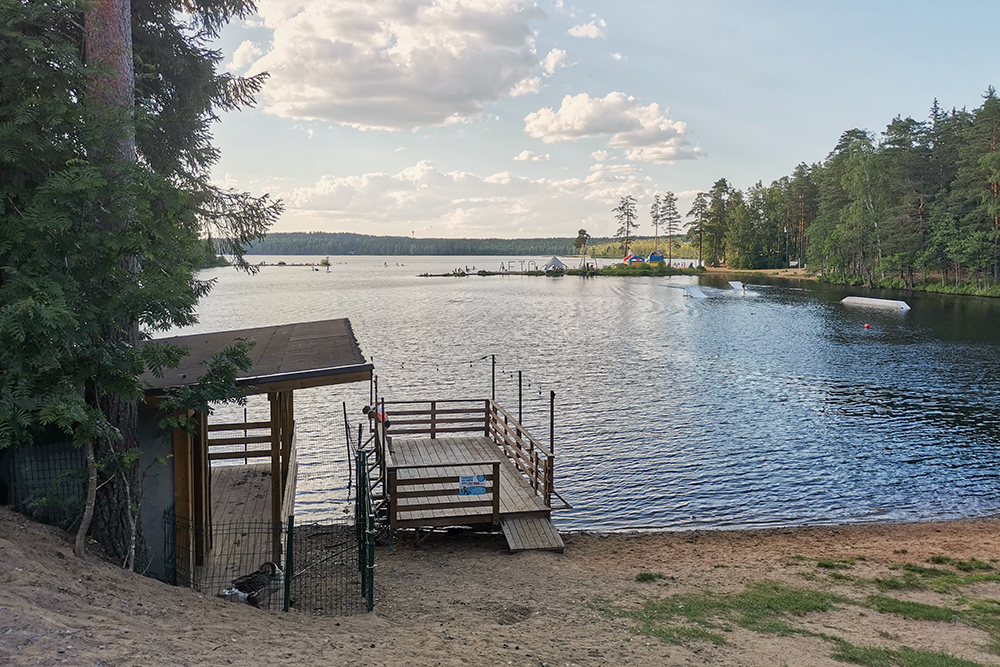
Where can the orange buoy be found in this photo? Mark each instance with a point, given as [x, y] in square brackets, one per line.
[868, 326]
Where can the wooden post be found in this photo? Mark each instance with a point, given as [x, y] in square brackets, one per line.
[390, 491]
[433, 419]
[496, 492]
[201, 492]
[275, 399]
[520, 400]
[493, 378]
[552, 422]
[486, 418]
[183, 508]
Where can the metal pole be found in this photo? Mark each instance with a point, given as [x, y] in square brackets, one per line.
[494, 377]
[552, 422]
[289, 561]
[347, 437]
[520, 417]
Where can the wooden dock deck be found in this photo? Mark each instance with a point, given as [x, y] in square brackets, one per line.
[479, 466]
[242, 531]
[440, 458]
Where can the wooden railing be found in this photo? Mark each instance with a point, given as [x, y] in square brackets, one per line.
[288, 493]
[535, 461]
[254, 433]
[483, 417]
[436, 418]
[422, 488]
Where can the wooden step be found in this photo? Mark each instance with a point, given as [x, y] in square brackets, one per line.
[524, 533]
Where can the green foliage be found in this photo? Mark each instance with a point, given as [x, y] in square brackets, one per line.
[645, 269]
[66, 278]
[878, 656]
[342, 243]
[762, 606]
[912, 610]
[216, 386]
[627, 217]
[648, 576]
[96, 247]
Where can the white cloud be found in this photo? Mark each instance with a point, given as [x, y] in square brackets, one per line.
[645, 131]
[593, 30]
[616, 56]
[527, 87]
[553, 61]
[460, 203]
[600, 156]
[528, 155]
[245, 54]
[395, 64]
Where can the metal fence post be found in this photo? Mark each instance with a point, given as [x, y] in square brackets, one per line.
[289, 561]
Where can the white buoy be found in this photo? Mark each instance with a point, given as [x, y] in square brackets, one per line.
[869, 302]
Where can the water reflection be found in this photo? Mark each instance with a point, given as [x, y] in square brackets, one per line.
[770, 407]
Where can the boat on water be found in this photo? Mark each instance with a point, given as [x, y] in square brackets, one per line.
[871, 302]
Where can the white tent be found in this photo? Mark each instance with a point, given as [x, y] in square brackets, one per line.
[555, 264]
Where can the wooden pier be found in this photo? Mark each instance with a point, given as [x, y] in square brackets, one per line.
[466, 463]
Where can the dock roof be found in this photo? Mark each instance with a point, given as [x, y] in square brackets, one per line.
[287, 356]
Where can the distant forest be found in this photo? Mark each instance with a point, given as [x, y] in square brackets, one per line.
[916, 206]
[340, 243]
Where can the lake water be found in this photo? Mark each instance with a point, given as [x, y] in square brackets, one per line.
[774, 407]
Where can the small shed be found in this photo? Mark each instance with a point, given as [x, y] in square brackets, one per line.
[284, 358]
[554, 264]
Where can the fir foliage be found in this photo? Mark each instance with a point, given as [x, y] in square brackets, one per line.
[66, 277]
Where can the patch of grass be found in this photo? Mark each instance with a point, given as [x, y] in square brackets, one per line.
[927, 572]
[877, 656]
[970, 565]
[985, 615]
[762, 607]
[908, 582]
[837, 576]
[940, 580]
[912, 610]
[649, 576]
[685, 634]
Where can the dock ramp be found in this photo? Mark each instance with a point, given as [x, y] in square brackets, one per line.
[531, 532]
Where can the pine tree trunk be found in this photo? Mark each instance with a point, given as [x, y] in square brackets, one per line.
[108, 44]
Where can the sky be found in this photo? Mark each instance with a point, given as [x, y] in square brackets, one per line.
[533, 118]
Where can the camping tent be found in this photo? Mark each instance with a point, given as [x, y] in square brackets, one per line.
[555, 264]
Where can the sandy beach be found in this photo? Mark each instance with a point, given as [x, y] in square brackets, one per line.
[463, 599]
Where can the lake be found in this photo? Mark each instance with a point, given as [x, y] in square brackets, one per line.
[773, 407]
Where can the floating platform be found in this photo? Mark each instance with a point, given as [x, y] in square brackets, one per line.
[870, 302]
[486, 470]
[694, 292]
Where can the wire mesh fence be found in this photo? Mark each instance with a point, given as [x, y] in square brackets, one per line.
[45, 482]
[315, 568]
